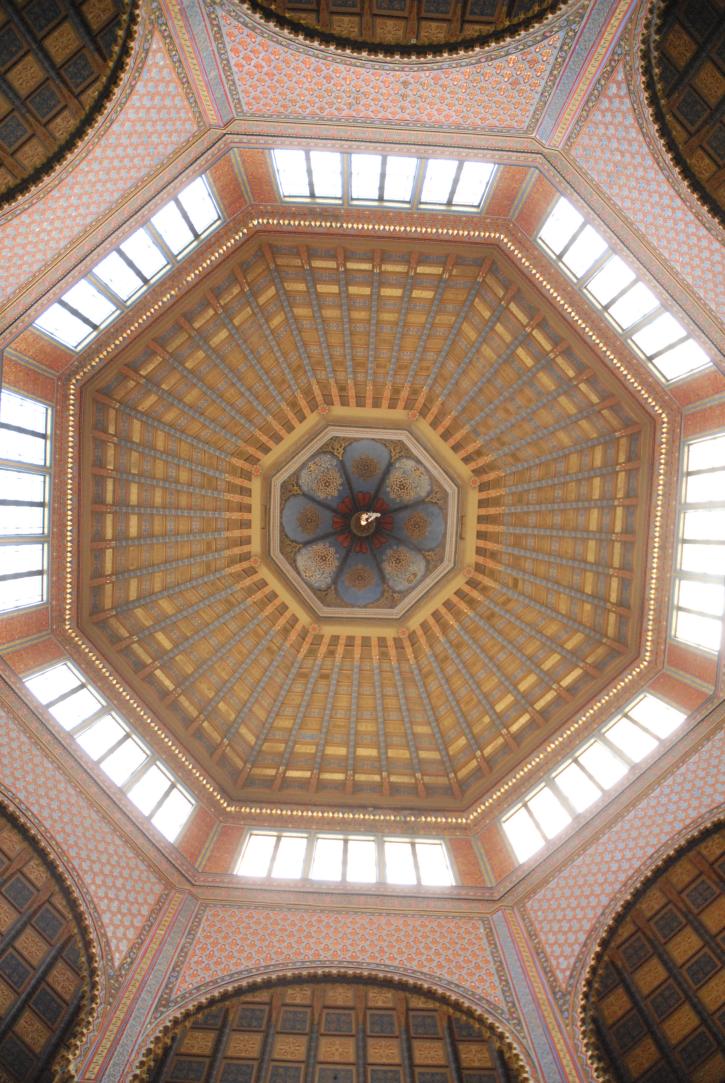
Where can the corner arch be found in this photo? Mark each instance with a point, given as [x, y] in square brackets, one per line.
[627, 919]
[159, 1038]
[61, 944]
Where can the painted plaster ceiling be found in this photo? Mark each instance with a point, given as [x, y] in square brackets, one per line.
[60, 62]
[290, 341]
[404, 26]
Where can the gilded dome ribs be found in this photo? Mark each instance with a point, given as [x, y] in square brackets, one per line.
[526, 604]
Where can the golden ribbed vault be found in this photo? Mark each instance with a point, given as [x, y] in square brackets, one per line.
[542, 610]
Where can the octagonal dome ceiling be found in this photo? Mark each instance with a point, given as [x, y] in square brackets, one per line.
[532, 461]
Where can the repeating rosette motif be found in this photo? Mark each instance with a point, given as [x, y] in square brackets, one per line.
[338, 546]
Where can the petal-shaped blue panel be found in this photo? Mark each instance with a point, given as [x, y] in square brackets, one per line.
[422, 526]
[403, 568]
[359, 582]
[406, 482]
[304, 520]
[319, 562]
[323, 478]
[365, 461]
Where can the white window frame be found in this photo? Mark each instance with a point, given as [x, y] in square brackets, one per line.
[413, 203]
[128, 733]
[311, 838]
[119, 303]
[627, 760]
[629, 333]
[681, 575]
[36, 469]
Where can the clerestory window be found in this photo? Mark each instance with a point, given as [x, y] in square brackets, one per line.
[383, 179]
[111, 742]
[613, 287]
[583, 778]
[699, 603]
[120, 278]
[24, 500]
[351, 859]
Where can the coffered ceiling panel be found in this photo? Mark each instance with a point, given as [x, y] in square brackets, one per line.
[539, 606]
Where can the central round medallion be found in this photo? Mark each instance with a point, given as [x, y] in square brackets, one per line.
[363, 522]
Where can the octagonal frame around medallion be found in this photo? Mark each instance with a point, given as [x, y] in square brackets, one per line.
[407, 427]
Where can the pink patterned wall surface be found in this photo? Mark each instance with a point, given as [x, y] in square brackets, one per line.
[565, 911]
[155, 120]
[230, 940]
[612, 149]
[276, 81]
[122, 886]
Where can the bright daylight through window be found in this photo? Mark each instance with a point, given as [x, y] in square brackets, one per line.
[123, 275]
[395, 180]
[597, 766]
[24, 493]
[110, 741]
[630, 306]
[700, 581]
[352, 859]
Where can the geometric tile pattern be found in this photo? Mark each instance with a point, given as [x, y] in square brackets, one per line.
[121, 885]
[270, 702]
[44, 969]
[630, 176]
[153, 123]
[330, 1031]
[231, 940]
[655, 1008]
[565, 911]
[59, 62]
[275, 80]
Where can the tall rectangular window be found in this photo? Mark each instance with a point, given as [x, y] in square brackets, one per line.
[24, 500]
[699, 602]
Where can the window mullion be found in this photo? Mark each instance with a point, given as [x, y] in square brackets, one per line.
[561, 796]
[65, 695]
[594, 270]
[150, 815]
[137, 773]
[132, 266]
[669, 346]
[420, 171]
[86, 724]
[77, 313]
[111, 296]
[381, 182]
[309, 855]
[617, 752]
[125, 736]
[273, 858]
[160, 243]
[310, 175]
[644, 321]
[454, 185]
[180, 208]
[574, 237]
[414, 852]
